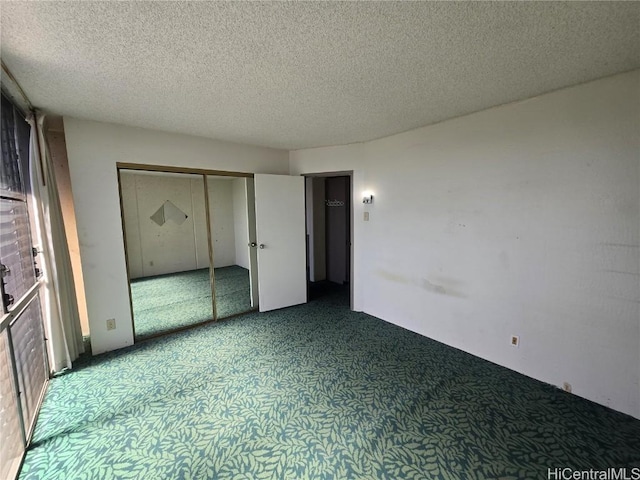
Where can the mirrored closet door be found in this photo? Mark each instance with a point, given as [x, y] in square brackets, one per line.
[190, 247]
[167, 246]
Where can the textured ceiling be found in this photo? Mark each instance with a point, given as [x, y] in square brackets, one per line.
[304, 74]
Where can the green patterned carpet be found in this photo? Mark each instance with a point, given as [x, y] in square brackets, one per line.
[319, 392]
[167, 302]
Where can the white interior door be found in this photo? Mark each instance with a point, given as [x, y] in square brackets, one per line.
[280, 229]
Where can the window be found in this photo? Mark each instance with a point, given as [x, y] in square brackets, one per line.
[23, 362]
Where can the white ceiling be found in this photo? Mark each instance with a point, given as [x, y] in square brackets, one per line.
[303, 74]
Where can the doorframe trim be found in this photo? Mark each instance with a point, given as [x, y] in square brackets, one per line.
[170, 169]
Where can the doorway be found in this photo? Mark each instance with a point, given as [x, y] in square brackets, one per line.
[329, 222]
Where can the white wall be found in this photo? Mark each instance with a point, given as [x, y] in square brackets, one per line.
[241, 222]
[154, 249]
[132, 224]
[522, 219]
[93, 149]
[200, 223]
[222, 222]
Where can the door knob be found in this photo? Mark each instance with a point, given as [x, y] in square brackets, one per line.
[253, 244]
[262, 245]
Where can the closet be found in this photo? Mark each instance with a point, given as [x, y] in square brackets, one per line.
[188, 240]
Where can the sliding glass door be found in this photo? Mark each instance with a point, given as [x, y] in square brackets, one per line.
[23, 359]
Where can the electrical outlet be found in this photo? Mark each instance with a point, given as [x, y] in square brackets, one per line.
[566, 386]
[111, 324]
[515, 341]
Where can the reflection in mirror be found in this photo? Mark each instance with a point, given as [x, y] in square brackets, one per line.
[164, 218]
[232, 214]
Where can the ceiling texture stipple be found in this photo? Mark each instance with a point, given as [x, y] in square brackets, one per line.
[295, 75]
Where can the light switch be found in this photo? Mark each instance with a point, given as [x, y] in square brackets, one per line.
[366, 216]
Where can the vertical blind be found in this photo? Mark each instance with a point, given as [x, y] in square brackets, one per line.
[16, 247]
[10, 178]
